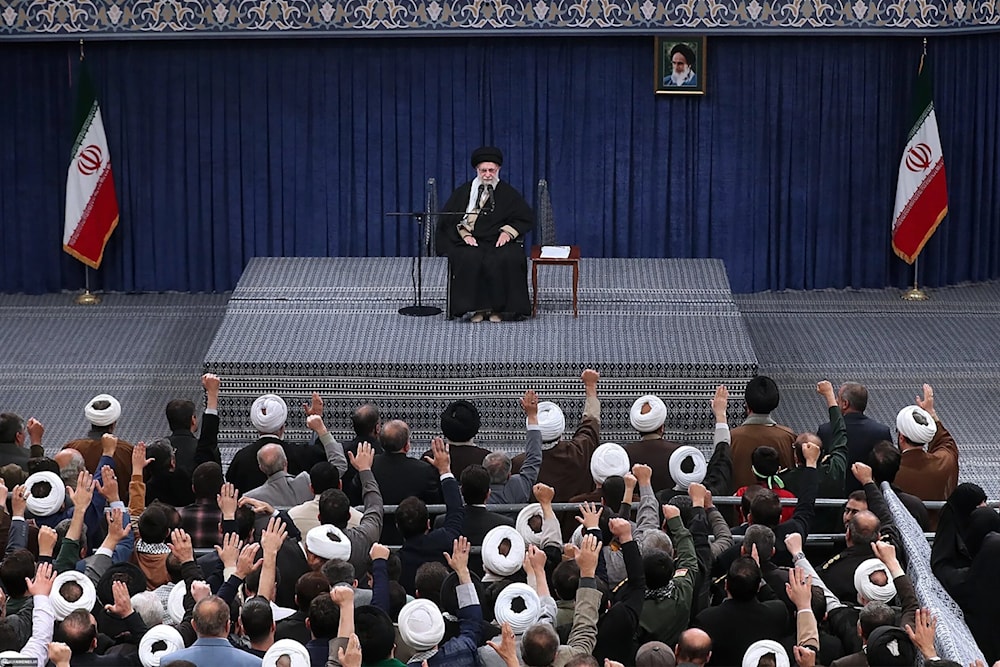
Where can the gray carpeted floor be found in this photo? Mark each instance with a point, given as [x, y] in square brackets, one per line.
[149, 348]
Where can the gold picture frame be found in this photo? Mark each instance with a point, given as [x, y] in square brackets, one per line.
[680, 65]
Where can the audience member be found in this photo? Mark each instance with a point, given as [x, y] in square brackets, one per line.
[931, 473]
[863, 432]
[759, 429]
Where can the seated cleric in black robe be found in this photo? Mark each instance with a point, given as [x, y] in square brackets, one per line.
[488, 264]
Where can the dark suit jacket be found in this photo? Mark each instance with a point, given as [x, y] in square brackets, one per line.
[11, 453]
[838, 572]
[190, 451]
[734, 625]
[863, 433]
[858, 659]
[463, 456]
[348, 481]
[399, 477]
[477, 522]
[432, 545]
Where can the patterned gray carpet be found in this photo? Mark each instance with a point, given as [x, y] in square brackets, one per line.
[149, 348]
[668, 327]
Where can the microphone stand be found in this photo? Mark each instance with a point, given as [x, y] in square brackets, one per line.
[418, 309]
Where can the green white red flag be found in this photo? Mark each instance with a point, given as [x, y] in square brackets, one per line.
[921, 190]
[91, 204]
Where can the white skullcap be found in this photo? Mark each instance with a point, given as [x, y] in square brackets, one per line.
[869, 590]
[280, 613]
[160, 633]
[686, 479]
[607, 460]
[175, 602]
[519, 620]
[421, 624]
[653, 419]
[295, 651]
[525, 515]
[268, 413]
[328, 541]
[496, 562]
[551, 421]
[108, 415]
[906, 423]
[63, 607]
[759, 649]
[51, 503]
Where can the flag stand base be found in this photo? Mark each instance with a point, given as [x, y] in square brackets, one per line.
[915, 294]
[88, 298]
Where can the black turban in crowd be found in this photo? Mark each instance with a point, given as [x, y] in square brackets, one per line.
[460, 421]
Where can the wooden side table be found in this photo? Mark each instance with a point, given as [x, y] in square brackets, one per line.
[537, 259]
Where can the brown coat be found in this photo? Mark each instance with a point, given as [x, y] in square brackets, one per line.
[566, 467]
[91, 450]
[932, 473]
[749, 437]
[654, 452]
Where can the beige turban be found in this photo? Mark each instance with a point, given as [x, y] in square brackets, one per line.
[63, 607]
[524, 528]
[531, 607]
[759, 649]
[686, 479]
[869, 590]
[652, 419]
[916, 424]
[551, 421]
[496, 562]
[268, 413]
[328, 541]
[421, 624]
[607, 460]
[108, 415]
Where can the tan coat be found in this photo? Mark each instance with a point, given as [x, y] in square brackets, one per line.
[749, 437]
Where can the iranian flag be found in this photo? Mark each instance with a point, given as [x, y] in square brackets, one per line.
[91, 204]
[921, 190]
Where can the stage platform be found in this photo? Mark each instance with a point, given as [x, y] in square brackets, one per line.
[664, 326]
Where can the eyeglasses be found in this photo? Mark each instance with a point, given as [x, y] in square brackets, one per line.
[487, 170]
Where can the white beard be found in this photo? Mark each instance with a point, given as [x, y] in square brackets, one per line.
[682, 77]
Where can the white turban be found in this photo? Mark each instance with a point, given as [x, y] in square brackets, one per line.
[870, 590]
[19, 655]
[108, 415]
[320, 542]
[421, 624]
[175, 602]
[651, 420]
[268, 413]
[759, 649]
[686, 479]
[51, 503]
[63, 607]
[607, 460]
[525, 515]
[295, 651]
[906, 423]
[159, 633]
[551, 421]
[577, 537]
[496, 562]
[519, 620]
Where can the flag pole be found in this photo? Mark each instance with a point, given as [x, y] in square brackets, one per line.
[915, 293]
[88, 298]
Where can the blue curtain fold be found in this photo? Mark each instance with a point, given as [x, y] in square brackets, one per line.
[224, 150]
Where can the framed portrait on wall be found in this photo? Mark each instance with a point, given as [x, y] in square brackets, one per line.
[680, 65]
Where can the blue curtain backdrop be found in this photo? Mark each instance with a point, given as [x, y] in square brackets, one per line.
[225, 150]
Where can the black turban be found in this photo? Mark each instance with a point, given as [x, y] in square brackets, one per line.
[133, 577]
[685, 51]
[460, 421]
[487, 154]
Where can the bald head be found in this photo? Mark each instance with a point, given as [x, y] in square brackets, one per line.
[211, 617]
[71, 463]
[863, 528]
[395, 436]
[272, 459]
[694, 645]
